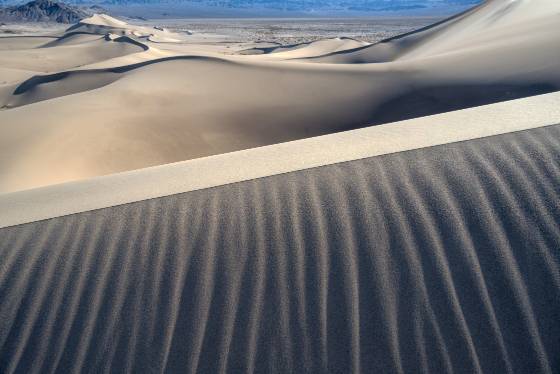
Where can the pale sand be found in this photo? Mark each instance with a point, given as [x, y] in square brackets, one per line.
[306, 50]
[148, 183]
[120, 102]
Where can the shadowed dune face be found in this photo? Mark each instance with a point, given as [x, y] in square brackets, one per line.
[440, 260]
[114, 101]
[66, 56]
[72, 38]
[307, 50]
[19, 42]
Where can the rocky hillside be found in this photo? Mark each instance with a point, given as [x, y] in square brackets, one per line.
[43, 11]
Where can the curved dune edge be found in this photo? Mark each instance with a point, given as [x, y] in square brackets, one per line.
[122, 188]
[316, 48]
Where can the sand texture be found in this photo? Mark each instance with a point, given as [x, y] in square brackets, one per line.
[202, 173]
[333, 207]
[439, 260]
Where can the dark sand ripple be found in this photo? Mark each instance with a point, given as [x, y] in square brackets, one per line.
[444, 259]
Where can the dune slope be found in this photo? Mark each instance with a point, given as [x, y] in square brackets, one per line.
[441, 260]
[147, 106]
[421, 246]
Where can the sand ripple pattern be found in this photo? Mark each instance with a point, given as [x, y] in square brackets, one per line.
[440, 260]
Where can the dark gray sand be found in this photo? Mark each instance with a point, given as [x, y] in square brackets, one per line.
[439, 260]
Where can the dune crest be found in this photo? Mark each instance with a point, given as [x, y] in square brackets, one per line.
[306, 50]
[103, 20]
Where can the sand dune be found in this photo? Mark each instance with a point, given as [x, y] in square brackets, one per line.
[154, 103]
[439, 260]
[72, 38]
[66, 56]
[103, 24]
[104, 20]
[420, 246]
[18, 42]
[305, 50]
[501, 23]
[507, 117]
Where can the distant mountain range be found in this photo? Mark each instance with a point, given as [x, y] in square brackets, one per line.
[75, 10]
[288, 5]
[309, 5]
[47, 11]
[43, 10]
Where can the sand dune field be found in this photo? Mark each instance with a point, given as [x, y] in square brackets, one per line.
[173, 202]
[107, 96]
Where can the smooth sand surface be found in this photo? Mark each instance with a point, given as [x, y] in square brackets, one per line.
[439, 260]
[149, 183]
[306, 50]
[86, 106]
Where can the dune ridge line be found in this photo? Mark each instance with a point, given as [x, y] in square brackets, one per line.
[122, 188]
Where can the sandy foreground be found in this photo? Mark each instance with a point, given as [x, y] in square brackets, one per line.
[403, 245]
[440, 259]
[106, 96]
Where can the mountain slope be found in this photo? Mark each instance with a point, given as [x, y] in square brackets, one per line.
[44, 11]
